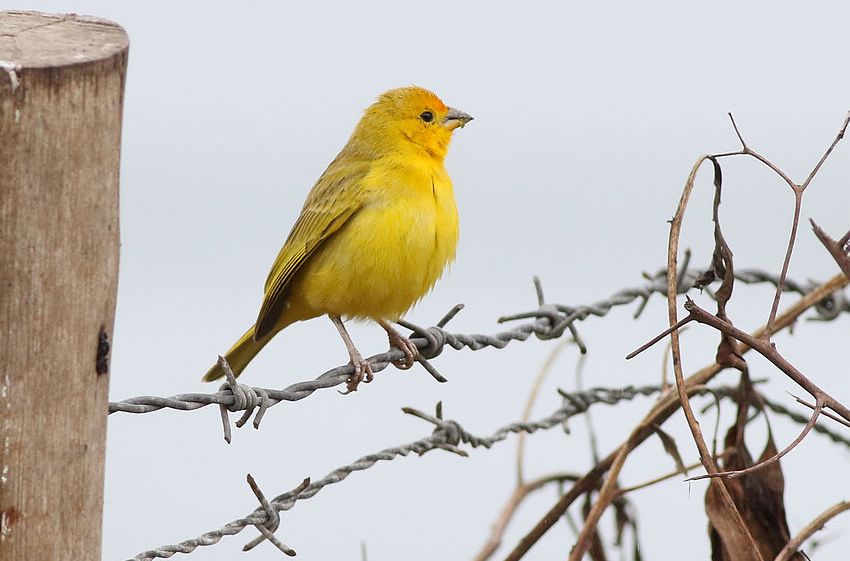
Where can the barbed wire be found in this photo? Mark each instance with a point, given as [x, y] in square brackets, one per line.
[447, 435]
[731, 392]
[550, 322]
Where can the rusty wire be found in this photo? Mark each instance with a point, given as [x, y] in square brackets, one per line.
[549, 322]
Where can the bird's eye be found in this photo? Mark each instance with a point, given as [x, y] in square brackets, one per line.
[427, 116]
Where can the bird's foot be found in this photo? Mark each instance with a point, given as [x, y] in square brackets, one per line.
[405, 345]
[362, 372]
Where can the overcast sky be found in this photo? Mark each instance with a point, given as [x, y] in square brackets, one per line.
[588, 118]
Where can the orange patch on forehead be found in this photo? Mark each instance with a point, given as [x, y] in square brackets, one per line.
[413, 97]
[428, 98]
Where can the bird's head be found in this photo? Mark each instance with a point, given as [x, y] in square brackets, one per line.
[410, 117]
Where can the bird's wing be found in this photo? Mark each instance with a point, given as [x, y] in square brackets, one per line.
[335, 198]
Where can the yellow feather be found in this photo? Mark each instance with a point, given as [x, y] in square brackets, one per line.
[377, 229]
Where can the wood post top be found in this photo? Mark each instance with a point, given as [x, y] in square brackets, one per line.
[38, 40]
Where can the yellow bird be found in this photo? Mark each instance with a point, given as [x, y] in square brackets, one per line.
[375, 233]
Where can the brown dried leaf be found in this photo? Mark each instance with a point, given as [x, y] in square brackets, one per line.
[721, 261]
[670, 447]
[636, 555]
[728, 543]
[596, 550]
[624, 520]
[723, 267]
[759, 497]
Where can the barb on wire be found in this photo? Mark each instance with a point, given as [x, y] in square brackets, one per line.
[268, 528]
[562, 316]
[447, 435]
[550, 321]
[780, 409]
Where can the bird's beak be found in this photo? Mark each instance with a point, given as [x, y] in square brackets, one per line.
[456, 118]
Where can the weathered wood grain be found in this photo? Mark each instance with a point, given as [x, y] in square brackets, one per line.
[61, 94]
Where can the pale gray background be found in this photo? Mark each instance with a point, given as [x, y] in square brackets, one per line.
[588, 119]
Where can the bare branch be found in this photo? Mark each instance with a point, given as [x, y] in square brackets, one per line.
[587, 533]
[786, 262]
[744, 146]
[518, 495]
[798, 190]
[704, 453]
[826, 154]
[532, 398]
[678, 325]
[794, 544]
[747, 151]
[768, 351]
[835, 418]
[657, 480]
[775, 458]
[661, 411]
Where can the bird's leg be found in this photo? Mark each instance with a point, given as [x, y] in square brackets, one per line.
[401, 342]
[362, 368]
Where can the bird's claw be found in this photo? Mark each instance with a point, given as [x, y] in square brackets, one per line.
[405, 345]
[362, 373]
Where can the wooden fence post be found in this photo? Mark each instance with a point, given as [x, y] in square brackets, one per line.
[61, 95]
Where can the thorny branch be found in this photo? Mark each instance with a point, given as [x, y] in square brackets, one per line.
[794, 544]
[797, 189]
[775, 458]
[667, 405]
[768, 351]
[523, 489]
[840, 250]
[744, 543]
[721, 259]
[811, 406]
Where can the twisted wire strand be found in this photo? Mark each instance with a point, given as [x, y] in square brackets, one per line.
[780, 409]
[549, 322]
[731, 392]
[447, 435]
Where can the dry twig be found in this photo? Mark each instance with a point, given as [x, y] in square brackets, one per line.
[662, 410]
[794, 544]
[797, 189]
[722, 266]
[840, 250]
[519, 494]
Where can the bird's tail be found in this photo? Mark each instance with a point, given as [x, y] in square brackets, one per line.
[239, 355]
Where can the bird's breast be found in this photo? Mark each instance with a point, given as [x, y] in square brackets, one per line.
[392, 250]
